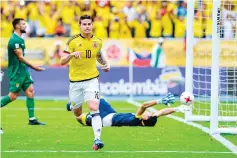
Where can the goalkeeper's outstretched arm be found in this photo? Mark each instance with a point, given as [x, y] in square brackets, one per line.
[146, 105]
[169, 98]
[165, 111]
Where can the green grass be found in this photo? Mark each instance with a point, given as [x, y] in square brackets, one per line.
[63, 132]
[230, 137]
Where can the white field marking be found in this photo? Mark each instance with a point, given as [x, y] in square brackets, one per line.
[13, 116]
[117, 98]
[118, 151]
[217, 137]
[54, 109]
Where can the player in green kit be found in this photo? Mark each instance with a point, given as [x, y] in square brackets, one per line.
[18, 73]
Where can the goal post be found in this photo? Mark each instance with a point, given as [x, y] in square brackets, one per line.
[189, 53]
[211, 71]
[216, 17]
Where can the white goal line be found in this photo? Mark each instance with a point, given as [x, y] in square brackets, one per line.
[55, 109]
[116, 151]
[217, 137]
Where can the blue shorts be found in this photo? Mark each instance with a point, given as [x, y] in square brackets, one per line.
[105, 108]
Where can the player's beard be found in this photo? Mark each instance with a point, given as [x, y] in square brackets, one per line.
[87, 31]
[23, 31]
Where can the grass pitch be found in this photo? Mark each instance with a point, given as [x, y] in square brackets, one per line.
[64, 137]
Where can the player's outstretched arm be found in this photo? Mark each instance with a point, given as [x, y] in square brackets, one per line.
[144, 106]
[20, 56]
[169, 98]
[167, 111]
[101, 59]
[164, 112]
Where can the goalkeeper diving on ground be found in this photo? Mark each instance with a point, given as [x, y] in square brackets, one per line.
[141, 118]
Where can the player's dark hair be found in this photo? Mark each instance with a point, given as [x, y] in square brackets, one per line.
[16, 21]
[151, 121]
[83, 17]
[195, 11]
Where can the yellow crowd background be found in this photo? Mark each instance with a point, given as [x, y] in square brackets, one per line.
[112, 19]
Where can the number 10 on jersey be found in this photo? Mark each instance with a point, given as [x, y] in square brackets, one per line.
[88, 53]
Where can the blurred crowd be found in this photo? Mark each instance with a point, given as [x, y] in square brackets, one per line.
[117, 19]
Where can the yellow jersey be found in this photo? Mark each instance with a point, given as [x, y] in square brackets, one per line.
[167, 25]
[198, 28]
[114, 30]
[156, 28]
[208, 27]
[100, 29]
[6, 28]
[124, 30]
[85, 67]
[20, 13]
[180, 27]
[140, 29]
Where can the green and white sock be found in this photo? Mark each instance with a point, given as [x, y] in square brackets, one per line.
[5, 100]
[30, 103]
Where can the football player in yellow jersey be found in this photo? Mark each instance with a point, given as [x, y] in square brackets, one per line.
[83, 52]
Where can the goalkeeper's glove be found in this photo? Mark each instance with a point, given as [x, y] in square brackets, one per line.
[168, 99]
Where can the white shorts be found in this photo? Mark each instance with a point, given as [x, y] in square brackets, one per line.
[107, 120]
[84, 91]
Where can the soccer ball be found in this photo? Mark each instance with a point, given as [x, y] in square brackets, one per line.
[187, 98]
